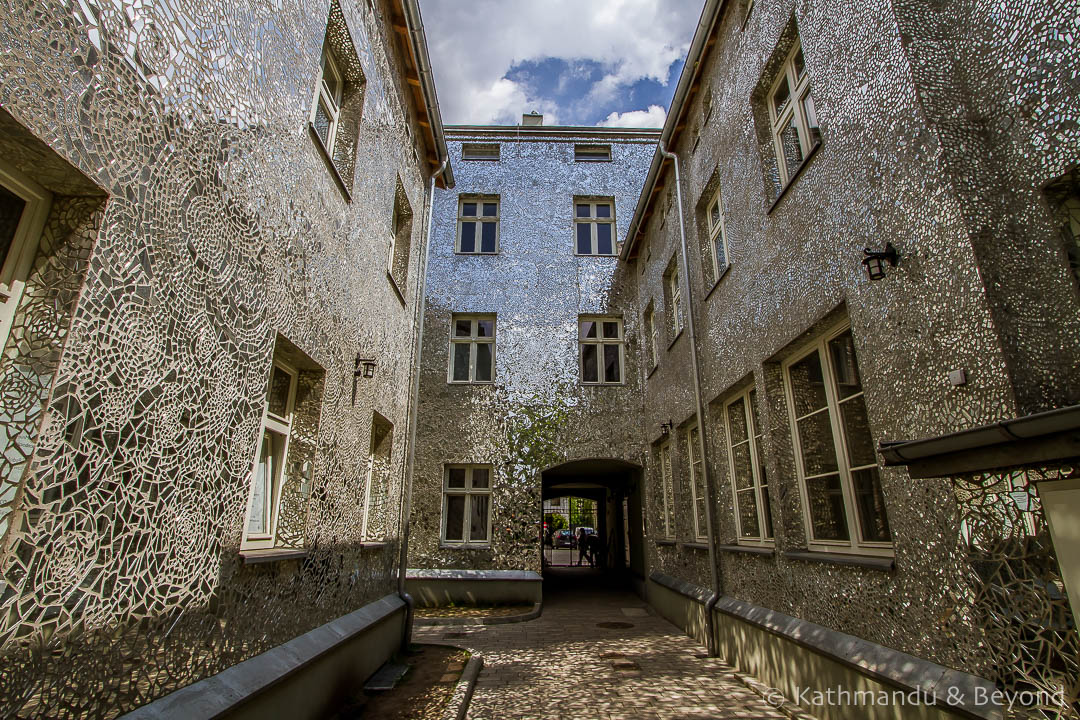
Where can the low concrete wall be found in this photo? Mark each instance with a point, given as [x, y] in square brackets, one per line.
[437, 588]
[790, 655]
[305, 678]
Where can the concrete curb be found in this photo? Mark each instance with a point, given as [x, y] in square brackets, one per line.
[774, 698]
[502, 620]
[459, 701]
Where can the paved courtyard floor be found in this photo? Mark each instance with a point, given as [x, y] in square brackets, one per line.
[565, 665]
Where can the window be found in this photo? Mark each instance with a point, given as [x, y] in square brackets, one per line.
[601, 351]
[478, 225]
[377, 509]
[674, 298]
[695, 460]
[835, 460]
[480, 151]
[667, 489]
[1064, 197]
[753, 516]
[652, 339]
[400, 240]
[592, 153]
[326, 112]
[268, 476]
[792, 116]
[24, 207]
[467, 505]
[472, 349]
[594, 226]
[717, 251]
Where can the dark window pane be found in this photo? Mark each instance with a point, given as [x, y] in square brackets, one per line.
[322, 123]
[603, 239]
[11, 210]
[827, 516]
[478, 523]
[611, 329]
[487, 238]
[455, 516]
[468, 209]
[744, 472]
[468, 237]
[491, 209]
[800, 63]
[811, 119]
[816, 442]
[483, 362]
[791, 147]
[485, 328]
[714, 214]
[860, 445]
[480, 477]
[612, 371]
[463, 328]
[748, 517]
[845, 369]
[277, 399]
[721, 251]
[807, 385]
[461, 362]
[589, 370]
[871, 505]
[588, 329]
[455, 477]
[737, 421]
[603, 211]
[781, 96]
[755, 421]
[584, 239]
[583, 211]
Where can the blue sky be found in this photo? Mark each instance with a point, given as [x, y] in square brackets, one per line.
[579, 62]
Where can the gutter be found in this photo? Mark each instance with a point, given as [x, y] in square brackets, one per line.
[414, 404]
[417, 37]
[709, 15]
[714, 573]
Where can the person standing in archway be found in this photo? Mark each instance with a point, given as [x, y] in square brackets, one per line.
[583, 546]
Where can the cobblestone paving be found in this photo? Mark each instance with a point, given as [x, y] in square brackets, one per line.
[563, 665]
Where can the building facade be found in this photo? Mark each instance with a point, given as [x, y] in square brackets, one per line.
[211, 213]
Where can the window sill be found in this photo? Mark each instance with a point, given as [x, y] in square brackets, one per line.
[465, 546]
[601, 385]
[794, 176]
[716, 283]
[871, 562]
[675, 340]
[474, 254]
[749, 549]
[470, 382]
[597, 255]
[695, 545]
[269, 555]
[651, 371]
[329, 163]
[665, 543]
[374, 545]
[397, 290]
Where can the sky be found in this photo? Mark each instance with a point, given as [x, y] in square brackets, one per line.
[579, 62]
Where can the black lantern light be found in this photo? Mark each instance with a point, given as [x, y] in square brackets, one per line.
[665, 428]
[875, 260]
[365, 367]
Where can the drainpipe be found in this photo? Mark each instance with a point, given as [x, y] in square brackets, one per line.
[406, 492]
[714, 575]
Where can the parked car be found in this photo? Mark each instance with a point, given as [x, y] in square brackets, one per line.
[563, 538]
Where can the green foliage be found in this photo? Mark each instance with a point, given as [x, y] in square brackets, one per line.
[582, 512]
[555, 522]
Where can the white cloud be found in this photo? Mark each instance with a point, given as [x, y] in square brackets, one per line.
[474, 44]
[652, 118]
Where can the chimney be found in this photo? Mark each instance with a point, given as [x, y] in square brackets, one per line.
[534, 118]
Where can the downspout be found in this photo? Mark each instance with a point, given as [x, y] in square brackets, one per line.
[406, 492]
[714, 575]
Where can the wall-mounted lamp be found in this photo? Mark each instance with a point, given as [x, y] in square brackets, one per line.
[875, 260]
[665, 428]
[365, 367]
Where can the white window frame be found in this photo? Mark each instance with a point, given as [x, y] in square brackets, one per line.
[600, 341]
[667, 489]
[592, 152]
[468, 492]
[855, 544]
[479, 219]
[717, 236]
[280, 425]
[754, 436]
[594, 221]
[395, 219]
[676, 322]
[473, 340]
[24, 245]
[480, 152]
[799, 88]
[330, 100]
[695, 466]
[652, 336]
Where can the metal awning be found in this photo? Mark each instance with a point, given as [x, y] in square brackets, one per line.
[1041, 438]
